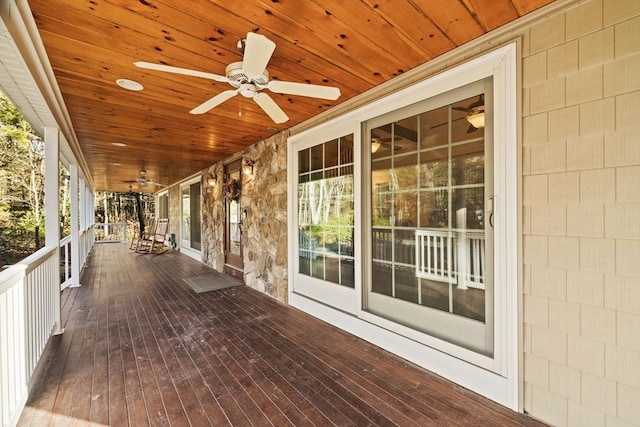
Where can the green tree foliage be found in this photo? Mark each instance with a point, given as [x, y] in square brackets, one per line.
[21, 185]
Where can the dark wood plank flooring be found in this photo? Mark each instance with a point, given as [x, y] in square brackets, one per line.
[141, 348]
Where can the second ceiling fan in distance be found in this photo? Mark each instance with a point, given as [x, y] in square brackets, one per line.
[249, 78]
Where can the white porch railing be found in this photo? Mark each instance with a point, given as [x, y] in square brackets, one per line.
[29, 313]
[456, 257]
[110, 232]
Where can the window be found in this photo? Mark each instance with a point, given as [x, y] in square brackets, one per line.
[435, 226]
[325, 211]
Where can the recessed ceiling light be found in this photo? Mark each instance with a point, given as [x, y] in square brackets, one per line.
[129, 84]
[119, 144]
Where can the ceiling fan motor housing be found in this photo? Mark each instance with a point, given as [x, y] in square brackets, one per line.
[237, 77]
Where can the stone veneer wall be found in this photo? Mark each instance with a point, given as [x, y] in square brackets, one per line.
[175, 215]
[264, 196]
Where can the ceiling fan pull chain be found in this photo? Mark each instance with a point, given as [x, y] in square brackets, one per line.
[239, 106]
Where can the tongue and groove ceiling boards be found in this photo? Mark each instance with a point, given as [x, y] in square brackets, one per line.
[351, 45]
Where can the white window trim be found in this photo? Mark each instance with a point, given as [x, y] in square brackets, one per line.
[340, 297]
[503, 386]
[186, 250]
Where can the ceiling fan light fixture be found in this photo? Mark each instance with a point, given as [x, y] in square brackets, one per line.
[129, 85]
[375, 144]
[248, 90]
[476, 117]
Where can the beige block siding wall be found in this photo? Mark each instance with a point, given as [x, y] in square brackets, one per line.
[581, 215]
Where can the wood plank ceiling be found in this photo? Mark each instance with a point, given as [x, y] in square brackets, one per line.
[351, 44]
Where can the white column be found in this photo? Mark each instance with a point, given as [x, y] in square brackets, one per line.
[51, 187]
[52, 209]
[75, 227]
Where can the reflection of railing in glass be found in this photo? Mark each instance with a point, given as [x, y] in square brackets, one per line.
[456, 257]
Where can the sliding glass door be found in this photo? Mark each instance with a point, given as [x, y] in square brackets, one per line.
[431, 233]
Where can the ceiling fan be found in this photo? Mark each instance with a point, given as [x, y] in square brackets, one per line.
[249, 77]
[143, 181]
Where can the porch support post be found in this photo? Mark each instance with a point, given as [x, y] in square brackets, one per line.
[52, 210]
[82, 190]
[75, 227]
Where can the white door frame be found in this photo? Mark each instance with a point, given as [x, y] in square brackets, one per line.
[185, 247]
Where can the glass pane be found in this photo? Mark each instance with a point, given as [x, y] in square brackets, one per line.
[406, 172]
[434, 128]
[405, 247]
[317, 157]
[434, 168]
[467, 163]
[347, 272]
[381, 278]
[435, 294]
[382, 142]
[382, 197]
[317, 266]
[406, 283]
[405, 135]
[434, 209]
[346, 241]
[331, 153]
[469, 295]
[346, 149]
[305, 263]
[469, 303]
[461, 129]
[381, 244]
[468, 208]
[303, 161]
[332, 268]
[406, 209]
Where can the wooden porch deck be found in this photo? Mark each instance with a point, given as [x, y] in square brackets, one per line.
[141, 348]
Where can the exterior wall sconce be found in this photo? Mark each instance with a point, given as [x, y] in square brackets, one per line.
[247, 168]
[212, 181]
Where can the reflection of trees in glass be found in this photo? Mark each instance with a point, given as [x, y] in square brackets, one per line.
[326, 205]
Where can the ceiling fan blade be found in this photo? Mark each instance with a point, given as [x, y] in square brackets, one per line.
[270, 107]
[303, 89]
[214, 102]
[178, 70]
[257, 53]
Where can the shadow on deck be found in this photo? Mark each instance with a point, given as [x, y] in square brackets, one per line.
[141, 348]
